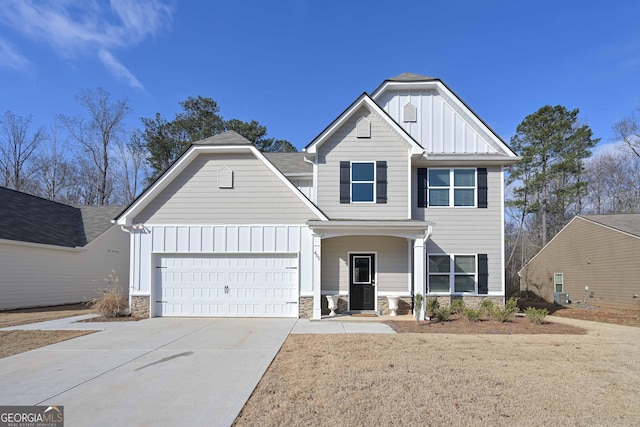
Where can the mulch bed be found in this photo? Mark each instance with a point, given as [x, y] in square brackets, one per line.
[517, 325]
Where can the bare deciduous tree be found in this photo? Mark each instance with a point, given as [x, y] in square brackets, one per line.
[627, 130]
[17, 146]
[132, 172]
[96, 135]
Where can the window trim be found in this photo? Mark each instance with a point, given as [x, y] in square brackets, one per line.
[452, 187]
[452, 274]
[555, 282]
[373, 182]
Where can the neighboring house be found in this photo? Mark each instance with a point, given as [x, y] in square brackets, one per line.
[401, 194]
[51, 253]
[595, 260]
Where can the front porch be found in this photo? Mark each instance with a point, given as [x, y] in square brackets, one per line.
[365, 262]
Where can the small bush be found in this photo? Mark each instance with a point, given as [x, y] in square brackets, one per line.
[487, 307]
[457, 306]
[432, 305]
[112, 302]
[443, 313]
[504, 314]
[536, 315]
[417, 306]
[472, 314]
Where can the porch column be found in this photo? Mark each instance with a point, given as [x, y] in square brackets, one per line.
[419, 269]
[317, 291]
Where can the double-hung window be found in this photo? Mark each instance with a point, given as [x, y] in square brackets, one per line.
[452, 274]
[451, 187]
[447, 187]
[363, 181]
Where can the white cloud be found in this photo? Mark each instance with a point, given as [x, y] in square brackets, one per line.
[118, 69]
[9, 58]
[76, 29]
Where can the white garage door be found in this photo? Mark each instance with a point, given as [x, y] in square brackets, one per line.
[256, 285]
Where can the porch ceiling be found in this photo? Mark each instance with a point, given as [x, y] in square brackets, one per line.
[408, 229]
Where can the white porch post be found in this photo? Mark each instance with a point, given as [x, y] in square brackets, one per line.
[419, 269]
[317, 294]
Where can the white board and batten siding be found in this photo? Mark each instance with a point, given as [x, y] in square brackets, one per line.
[344, 145]
[266, 247]
[441, 125]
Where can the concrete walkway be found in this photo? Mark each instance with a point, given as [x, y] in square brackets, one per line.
[160, 372]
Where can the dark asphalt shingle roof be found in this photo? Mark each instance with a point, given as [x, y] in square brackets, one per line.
[411, 77]
[28, 218]
[627, 223]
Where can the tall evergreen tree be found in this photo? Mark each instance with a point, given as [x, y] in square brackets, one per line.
[199, 119]
[548, 180]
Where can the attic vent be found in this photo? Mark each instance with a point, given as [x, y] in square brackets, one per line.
[225, 177]
[410, 113]
[363, 128]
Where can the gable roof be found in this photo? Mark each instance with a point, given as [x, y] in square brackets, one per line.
[410, 81]
[363, 100]
[290, 164]
[626, 223]
[27, 218]
[411, 77]
[623, 223]
[227, 142]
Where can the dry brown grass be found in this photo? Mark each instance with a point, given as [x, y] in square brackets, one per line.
[460, 380]
[14, 342]
[40, 314]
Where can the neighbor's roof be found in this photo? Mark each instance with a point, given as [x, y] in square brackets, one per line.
[28, 218]
[290, 163]
[627, 223]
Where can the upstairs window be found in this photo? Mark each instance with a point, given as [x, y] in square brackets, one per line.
[363, 181]
[451, 187]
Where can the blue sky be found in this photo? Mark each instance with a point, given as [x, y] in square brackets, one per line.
[295, 65]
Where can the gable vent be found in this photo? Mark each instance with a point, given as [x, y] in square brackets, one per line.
[409, 113]
[363, 128]
[225, 177]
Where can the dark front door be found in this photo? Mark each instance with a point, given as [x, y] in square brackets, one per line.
[362, 281]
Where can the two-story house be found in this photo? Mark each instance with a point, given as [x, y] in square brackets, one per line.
[401, 194]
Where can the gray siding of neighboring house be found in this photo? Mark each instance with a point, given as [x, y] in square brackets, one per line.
[465, 231]
[258, 196]
[588, 254]
[392, 262]
[343, 145]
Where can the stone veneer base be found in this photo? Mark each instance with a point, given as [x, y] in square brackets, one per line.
[140, 306]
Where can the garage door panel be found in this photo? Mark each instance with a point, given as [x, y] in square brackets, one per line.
[258, 285]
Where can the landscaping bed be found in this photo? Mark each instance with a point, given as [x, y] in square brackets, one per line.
[459, 325]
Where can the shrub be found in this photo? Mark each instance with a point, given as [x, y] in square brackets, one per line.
[504, 314]
[472, 314]
[486, 307]
[443, 313]
[536, 315]
[432, 305]
[457, 306]
[417, 306]
[112, 302]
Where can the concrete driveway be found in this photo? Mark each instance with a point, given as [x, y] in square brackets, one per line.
[161, 371]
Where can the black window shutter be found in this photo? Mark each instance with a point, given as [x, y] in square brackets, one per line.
[381, 181]
[422, 187]
[483, 274]
[345, 182]
[482, 188]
